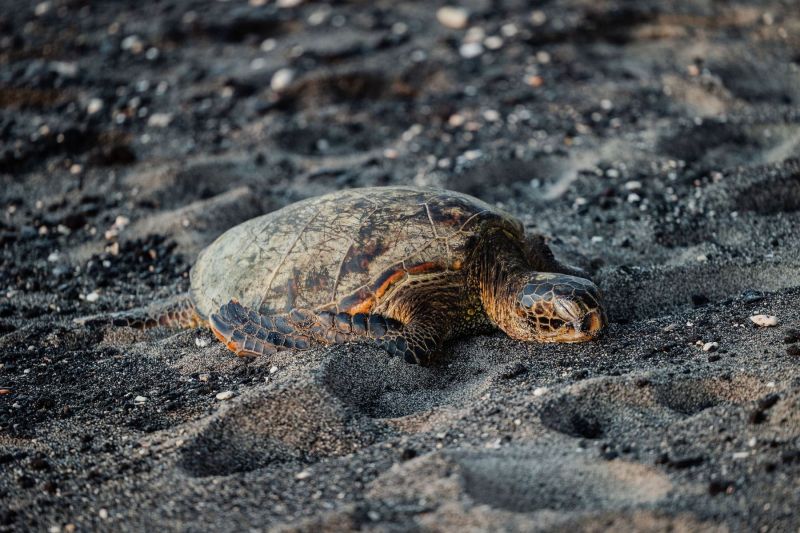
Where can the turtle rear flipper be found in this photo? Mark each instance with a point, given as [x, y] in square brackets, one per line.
[174, 313]
[247, 333]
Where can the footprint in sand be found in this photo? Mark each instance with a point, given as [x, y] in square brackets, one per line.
[297, 420]
[616, 408]
[524, 479]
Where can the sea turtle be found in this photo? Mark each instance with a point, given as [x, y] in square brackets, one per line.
[404, 268]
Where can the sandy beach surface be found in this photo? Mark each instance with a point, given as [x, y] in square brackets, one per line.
[654, 142]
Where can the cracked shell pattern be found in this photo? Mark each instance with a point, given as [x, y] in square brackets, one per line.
[341, 251]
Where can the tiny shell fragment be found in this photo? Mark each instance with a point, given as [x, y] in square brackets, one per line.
[764, 320]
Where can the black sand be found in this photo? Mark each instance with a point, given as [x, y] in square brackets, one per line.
[654, 141]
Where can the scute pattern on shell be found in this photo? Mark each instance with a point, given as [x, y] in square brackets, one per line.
[318, 252]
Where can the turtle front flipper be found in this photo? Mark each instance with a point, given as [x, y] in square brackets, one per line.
[249, 333]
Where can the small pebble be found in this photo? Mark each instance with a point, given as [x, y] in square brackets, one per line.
[159, 120]
[95, 105]
[225, 395]
[470, 50]
[305, 474]
[200, 342]
[493, 42]
[133, 44]
[139, 400]
[92, 296]
[452, 17]
[203, 377]
[281, 79]
[764, 320]
[534, 81]
[710, 346]
[540, 391]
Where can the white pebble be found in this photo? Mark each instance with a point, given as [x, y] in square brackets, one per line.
[133, 44]
[42, 8]
[452, 17]
[95, 105]
[53, 257]
[456, 120]
[258, 63]
[200, 343]
[267, 45]
[472, 155]
[633, 185]
[509, 30]
[540, 391]
[764, 320]
[139, 399]
[741, 455]
[491, 115]
[470, 50]
[305, 474]
[710, 346]
[225, 395]
[92, 296]
[493, 42]
[159, 120]
[538, 17]
[281, 79]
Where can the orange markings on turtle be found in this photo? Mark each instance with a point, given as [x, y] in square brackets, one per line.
[392, 277]
[363, 300]
[232, 345]
[218, 335]
[364, 307]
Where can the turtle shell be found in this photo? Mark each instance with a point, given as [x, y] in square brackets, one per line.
[340, 251]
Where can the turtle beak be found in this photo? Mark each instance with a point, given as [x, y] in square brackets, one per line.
[581, 327]
[586, 328]
[591, 324]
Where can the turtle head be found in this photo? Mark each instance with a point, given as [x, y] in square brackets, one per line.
[557, 308]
